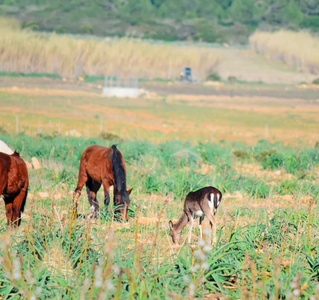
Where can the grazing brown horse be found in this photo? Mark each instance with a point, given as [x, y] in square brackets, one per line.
[103, 166]
[14, 183]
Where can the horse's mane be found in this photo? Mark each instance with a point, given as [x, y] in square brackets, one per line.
[118, 171]
[16, 153]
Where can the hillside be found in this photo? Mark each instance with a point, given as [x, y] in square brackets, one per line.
[207, 20]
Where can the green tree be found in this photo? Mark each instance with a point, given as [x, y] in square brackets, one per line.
[292, 14]
[309, 7]
[245, 11]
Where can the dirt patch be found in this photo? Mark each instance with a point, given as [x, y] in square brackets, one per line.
[48, 92]
[256, 170]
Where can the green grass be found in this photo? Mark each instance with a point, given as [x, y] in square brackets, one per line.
[263, 251]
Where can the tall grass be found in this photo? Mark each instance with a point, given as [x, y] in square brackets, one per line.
[30, 52]
[298, 49]
[260, 253]
[176, 167]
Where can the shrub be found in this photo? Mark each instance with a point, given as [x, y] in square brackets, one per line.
[315, 81]
[109, 136]
[232, 79]
[213, 77]
[243, 154]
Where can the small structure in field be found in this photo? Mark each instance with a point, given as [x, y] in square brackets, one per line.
[116, 87]
[186, 75]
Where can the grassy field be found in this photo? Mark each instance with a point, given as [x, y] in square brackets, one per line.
[261, 152]
[162, 116]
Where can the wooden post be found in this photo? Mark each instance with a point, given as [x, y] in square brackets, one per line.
[101, 124]
[17, 124]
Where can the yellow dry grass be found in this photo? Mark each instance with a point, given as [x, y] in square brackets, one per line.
[299, 49]
[289, 121]
[30, 52]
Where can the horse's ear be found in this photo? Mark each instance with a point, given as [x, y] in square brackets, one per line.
[129, 191]
[170, 224]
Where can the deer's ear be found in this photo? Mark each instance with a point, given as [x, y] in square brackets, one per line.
[170, 223]
[129, 191]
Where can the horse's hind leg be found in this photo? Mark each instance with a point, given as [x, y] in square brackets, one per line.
[92, 188]
[16, 208]
[9, 212]
[82, 179]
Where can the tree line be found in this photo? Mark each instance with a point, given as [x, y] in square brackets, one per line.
[207, 20]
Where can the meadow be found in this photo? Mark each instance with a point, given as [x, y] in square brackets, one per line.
[262, 153]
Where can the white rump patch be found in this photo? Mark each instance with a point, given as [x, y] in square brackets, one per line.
[199, 213]
[4, 148]
[211, 202]
[218, 199]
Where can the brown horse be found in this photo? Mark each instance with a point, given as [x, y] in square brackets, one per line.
[14, 183]
[103, 165]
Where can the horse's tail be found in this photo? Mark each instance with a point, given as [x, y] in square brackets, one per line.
[24, 201]
[118, 170]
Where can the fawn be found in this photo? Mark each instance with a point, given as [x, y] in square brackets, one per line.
[198, 204]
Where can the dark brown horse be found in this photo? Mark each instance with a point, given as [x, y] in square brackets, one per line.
[14, 183]
[103, 166]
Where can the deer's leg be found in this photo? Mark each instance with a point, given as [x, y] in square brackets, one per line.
[201, 227]
[212, 221]
[191, 222]
[92, 188]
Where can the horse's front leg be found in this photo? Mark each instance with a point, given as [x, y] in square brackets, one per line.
[92, 188]
[106, 187]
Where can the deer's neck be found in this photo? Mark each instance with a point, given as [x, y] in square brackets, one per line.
[181, 223]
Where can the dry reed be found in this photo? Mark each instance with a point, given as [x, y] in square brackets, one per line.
[69, 56]
[298, 49]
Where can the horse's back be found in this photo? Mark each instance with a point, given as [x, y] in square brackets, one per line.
[97, 153]
[5, 162]
[14, 170]
[96, 162]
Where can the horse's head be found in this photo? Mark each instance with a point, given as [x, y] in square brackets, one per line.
[122, 201]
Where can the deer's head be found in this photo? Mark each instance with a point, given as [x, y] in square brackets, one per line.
[173, 232]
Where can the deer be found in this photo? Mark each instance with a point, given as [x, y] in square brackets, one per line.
[198, 204]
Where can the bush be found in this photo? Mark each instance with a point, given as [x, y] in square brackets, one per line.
[213, 77]
[311, 22]
[110, 136]
[2, 130]
[232, 79]
[241, 154]
[315, 81]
